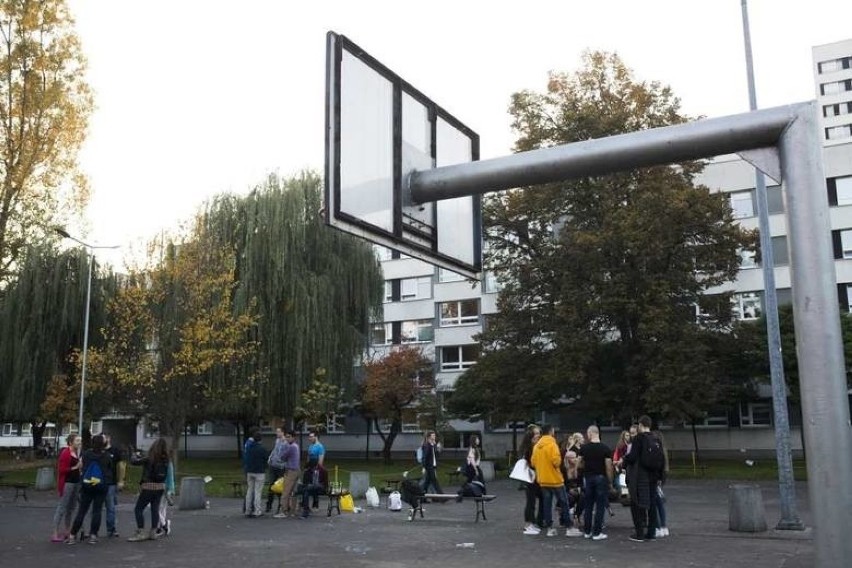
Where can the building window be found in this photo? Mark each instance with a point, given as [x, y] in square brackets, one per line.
[492, 285]
[746, 306]
[8, 428]
[415, 288]
[445, 275]
[837, 109]
[742, 204]
[96, 427]
[416, 331]
[843, 189]
[26, 429]
[388, 291]
[780, 254]
[833, 65]
[837, 132]
[463, 312]
[748, 258]
[380, 334]
[836, 87]
[335, 424]
[382, 253]
[205, 429]
[775, 199]
[756, 414]
[459, 357]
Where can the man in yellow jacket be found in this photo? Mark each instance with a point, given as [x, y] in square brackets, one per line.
[546, 460]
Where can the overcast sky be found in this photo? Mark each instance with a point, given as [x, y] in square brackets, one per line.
[198, 97]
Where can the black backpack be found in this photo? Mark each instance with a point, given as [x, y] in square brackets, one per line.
[652, 457]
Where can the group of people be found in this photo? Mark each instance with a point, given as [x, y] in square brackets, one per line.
[578, 477]
[265, 468]
[91, 479]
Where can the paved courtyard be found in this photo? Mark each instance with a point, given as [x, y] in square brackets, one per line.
[448, 536]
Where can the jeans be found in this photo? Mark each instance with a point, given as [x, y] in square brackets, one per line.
[94, 497]
[660, 505]
[595, 497]
[67, 506]
[431, 478]
[254, 489]
[146, 497]
[548, 494]
[111, 502]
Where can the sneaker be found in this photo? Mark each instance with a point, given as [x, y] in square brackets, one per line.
[587, 535]
[138, 536]
[573, 532]
[551, 532]
[93, 539]
[664, 531]
[637, 538]
[532, 530]
[71, 539]
[658, 533]
[280, 515]
[113, 534]
[600, 536]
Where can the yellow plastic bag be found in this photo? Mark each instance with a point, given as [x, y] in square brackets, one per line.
[347, 503]
[278, 486]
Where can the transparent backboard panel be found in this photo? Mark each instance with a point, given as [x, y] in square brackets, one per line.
[379, 129]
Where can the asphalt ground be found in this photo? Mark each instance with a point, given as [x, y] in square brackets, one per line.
[221, 536]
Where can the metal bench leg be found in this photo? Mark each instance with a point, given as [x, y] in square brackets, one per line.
[480, 510]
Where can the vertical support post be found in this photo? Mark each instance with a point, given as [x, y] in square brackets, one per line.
[783, 451]
[822, 370]
[85, 343]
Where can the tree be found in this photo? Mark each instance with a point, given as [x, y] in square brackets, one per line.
[601, 275]
[170, 326]
[394, 386]
[320, 402]
[45, 104]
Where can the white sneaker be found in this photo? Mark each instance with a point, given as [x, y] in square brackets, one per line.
[665, 531]
[551, 532]
[600, 536]
[532, 530]
[587, 535]
[573, 532]
[658, 533]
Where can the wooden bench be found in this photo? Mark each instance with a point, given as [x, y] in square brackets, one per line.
[445, 497]
[19, 487]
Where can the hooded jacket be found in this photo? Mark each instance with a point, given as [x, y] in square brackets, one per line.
[546, 459]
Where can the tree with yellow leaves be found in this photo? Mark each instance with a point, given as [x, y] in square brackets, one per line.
[45, 104]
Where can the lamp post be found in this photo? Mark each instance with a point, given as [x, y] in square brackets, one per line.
[91, 250]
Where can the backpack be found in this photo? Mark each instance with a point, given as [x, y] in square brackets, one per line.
[157, 472]
[652, 457]
[418, 455]
[94, 474]
[395, 501]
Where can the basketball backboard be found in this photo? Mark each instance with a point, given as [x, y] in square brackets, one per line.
[378, 130]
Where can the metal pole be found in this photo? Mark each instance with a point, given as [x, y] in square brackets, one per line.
[822, 369]
[786, 482]
[85, 342]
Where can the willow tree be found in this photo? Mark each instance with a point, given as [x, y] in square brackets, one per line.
[45, 104]
[42, 312]
[315, 289]
[601, 275]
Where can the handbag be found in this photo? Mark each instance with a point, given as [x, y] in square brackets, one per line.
[522, 472]
[278, 486]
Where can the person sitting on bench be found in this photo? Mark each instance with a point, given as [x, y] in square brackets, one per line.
[473, 486]
[314, 484]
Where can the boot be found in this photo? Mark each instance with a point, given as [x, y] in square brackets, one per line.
[141, 534]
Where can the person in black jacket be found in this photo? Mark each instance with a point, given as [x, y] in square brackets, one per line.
[254, 463]
[431, 449]
[93, 491]
[642, 484]
[152, 485]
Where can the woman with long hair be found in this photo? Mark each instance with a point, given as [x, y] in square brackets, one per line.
[155, 469]
[68, 468]
[532, 491]
[474, 457]
[659, 497]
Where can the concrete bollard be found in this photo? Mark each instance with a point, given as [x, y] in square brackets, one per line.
[745, 509]
[192, 494]
[359, 482]
[44, 479]
[487, 468]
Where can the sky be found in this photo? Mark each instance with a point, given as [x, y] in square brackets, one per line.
[200, 97]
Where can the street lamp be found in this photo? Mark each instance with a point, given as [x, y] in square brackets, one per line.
[91, 250]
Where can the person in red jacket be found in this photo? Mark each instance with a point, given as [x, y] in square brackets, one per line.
[68, 469]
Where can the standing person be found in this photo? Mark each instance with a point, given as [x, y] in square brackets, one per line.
[164, 527]
[595, 461]
[276, 466]
[573, 480]
[119, 469]
[431, 449]
[97, 475]
[547, 460]
[292, 470]
[68, 469]
[659, 495]
[474, 457]
[152, 485]
[642, 483]
[316, 451]
[532, 491]
[617, 454]
[255, 468]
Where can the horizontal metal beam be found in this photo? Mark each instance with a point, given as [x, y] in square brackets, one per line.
[670, 144]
